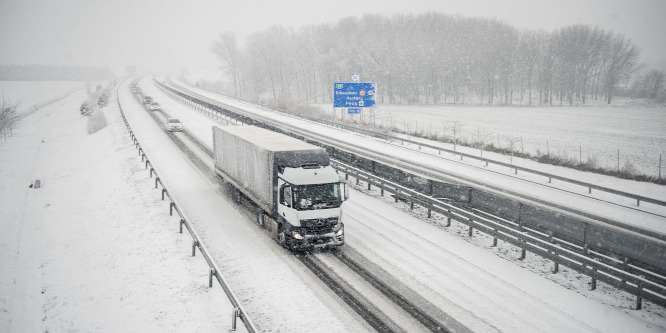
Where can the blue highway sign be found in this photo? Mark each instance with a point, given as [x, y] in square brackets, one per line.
[353, 95]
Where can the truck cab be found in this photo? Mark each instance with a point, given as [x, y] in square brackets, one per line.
[310, 207]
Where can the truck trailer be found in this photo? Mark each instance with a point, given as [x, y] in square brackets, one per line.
[299, 195]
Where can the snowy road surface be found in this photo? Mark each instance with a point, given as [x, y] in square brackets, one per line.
[539, 303]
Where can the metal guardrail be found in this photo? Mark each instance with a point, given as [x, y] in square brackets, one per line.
[583, 260]
[214, 271]
[516, 168]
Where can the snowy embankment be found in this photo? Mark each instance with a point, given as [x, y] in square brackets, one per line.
[94, 248]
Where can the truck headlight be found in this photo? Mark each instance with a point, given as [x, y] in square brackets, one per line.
[340, 232]
[297, 235]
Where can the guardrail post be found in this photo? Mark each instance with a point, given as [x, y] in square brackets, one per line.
[556, 265]
[411, 205]
[171, 205]
[523, 252]
[157, 180]
[382, 192]
[520, 216]
[151, 172]
[593, 284]
[163, 192]
[429, 213]
[211, 272]
[234, 314]
[639, 299]
[625, 267]
[143, 156]
[494, 237]
[147, 162]
[195, 243]
[448, 218]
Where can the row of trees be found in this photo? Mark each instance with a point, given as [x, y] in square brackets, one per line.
[431, 58]
[7, 118]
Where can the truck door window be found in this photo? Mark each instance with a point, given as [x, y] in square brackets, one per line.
[286, 196]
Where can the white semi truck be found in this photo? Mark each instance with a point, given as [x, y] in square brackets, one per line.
[299, 193]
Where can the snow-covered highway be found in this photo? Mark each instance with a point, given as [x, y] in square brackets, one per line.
[95, 250]
[546, 298]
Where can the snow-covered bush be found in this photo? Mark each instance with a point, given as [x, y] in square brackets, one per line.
[96, 122]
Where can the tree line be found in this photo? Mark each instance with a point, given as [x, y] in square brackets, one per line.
[434, 58]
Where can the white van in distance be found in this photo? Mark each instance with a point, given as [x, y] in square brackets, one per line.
[173, 124]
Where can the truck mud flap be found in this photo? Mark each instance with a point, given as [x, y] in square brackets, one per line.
[274, 229]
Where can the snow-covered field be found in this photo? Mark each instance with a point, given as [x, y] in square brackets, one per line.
[90, 250]
[28, 95]
[587, 133]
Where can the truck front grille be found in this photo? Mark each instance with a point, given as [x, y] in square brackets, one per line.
[319, 225]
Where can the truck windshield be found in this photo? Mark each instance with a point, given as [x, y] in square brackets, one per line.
[317, 196]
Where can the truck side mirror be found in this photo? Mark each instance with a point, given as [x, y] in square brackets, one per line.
[346, 191]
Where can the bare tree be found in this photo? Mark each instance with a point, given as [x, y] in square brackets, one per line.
[653, 83]
[7, 117]
[622, 58]
[226, 49]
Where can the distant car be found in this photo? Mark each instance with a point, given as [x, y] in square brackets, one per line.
[147, 100]
[154, 106]
[174, 125]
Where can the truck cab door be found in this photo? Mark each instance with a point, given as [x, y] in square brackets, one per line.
[286, 204]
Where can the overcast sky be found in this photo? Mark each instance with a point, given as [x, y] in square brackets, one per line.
[172, 34]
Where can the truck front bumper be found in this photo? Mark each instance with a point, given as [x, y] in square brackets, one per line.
[310, 242]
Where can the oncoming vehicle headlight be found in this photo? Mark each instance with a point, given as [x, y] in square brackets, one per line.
[340, 232]
[297, 235]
